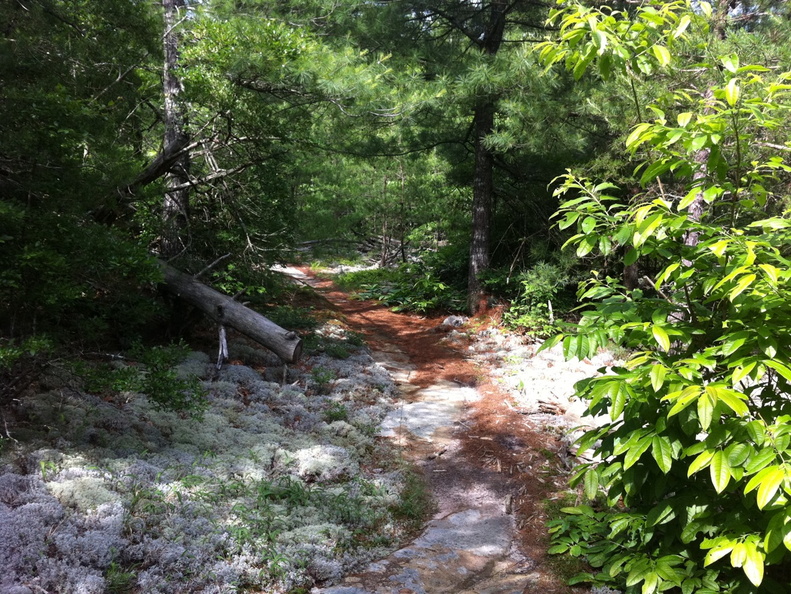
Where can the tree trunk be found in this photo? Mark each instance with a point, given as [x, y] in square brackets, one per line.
[483, 178]
[176, 200]
[482, 190]
[285, 344]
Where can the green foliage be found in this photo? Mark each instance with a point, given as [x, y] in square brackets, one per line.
[415, 502]
[11, 353]
[336, 412]
[153, 374]
[537, 296]
[119, 580]
[416, 286]
[70, 136]
[163, 386]
[694, 453]
[292, 317]
[322, 378]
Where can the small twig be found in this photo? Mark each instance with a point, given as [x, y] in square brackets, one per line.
[7, 432]
[658, 290]
[210, 266]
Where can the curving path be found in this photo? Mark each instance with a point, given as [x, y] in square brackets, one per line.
[487, 469]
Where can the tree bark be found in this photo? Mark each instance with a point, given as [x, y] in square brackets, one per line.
[284, 343]
[483, 177]
[482, 190]
[176, 200]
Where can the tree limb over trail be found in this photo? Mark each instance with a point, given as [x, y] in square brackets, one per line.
[158, 167]
[284, 343]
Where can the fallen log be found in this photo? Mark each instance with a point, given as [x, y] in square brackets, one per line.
[225, 311]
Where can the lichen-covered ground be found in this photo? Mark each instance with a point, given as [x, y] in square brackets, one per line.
[280, 486]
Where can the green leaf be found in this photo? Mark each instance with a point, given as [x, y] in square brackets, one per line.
[705, 410]
[638, 572]
[783, 370]
[757, 463]
[568, 220]
[683, 23]
[661, 337]
[662, 55]
[588, 224]
[634, 453]
[738, 554]
[730, 398]
[689, 198]
[618, 403]
[772, 272]
[586, 246]
[769, 486]
[650, 583]
[720, 471]
[737, 453]
[719, 248]
[699, 463]
[731, 63]
[662, 452]
[718, 552]
[754, 564]
[732, 343]
[657, 375]
[634, 139]
[732, 92]
[768, 345]
[591, 483]
[741, 372]
[743, 283]
[665, 274]
[662, 513]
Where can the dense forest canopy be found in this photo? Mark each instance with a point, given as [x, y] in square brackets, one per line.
[466, 141]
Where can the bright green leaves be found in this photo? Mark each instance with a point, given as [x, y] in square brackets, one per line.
[720, 471]
[661, 337]
[615, 41]
[746, 554]
[768, 482]
[732, 92]
[662, 55]
[694, 442]
[662, 452]
[657, 376]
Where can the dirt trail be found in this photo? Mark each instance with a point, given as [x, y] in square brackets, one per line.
[487, 469]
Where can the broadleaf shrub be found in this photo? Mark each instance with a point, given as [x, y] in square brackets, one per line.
[692, 484]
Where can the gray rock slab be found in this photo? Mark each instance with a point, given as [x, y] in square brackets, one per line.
[421, 419]
[470, 530]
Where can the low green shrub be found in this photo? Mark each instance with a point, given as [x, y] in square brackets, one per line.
[410, 287]
[538, 296]
[151, 372]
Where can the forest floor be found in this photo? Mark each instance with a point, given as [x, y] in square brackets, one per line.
[489, 423]
[298, 476]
